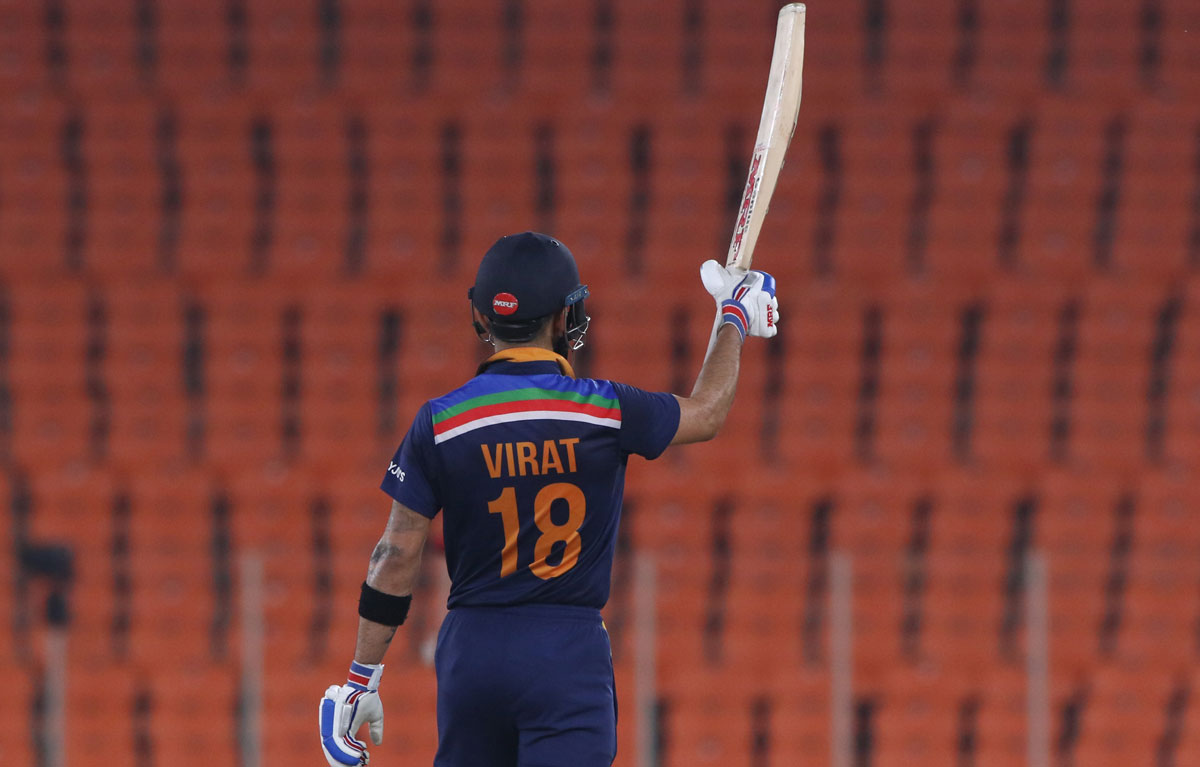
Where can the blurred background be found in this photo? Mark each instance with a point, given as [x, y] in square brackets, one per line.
[951, 521]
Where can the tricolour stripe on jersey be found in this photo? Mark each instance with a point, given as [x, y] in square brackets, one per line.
[523, 405]
[526, 394]
[527, 415]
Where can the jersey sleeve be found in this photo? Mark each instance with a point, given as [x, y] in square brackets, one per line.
[649, 420]
[410, 478]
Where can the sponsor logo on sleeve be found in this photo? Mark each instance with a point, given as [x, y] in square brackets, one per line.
[396, 471]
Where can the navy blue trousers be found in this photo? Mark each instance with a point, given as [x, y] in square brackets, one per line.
[525, 686]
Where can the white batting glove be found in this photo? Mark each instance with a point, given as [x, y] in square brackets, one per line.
[344, 709]
[745, 299]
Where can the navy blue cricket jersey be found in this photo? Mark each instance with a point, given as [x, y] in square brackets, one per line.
[528, 464]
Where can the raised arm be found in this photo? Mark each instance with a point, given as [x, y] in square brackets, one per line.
[702, 414]
[746, 305]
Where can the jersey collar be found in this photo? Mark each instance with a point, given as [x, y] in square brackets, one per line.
[522, 354]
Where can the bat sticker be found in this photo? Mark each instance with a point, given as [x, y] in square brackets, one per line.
[748, 198]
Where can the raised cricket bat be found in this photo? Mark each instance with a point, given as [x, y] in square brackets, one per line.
[780, 108]
[775, 129]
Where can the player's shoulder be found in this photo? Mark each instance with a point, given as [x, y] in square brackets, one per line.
[601, 386]
[616, 389]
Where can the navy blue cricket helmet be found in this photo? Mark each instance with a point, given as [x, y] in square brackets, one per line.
[523, 280]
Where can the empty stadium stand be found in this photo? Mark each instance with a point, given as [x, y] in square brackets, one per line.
[234, 245]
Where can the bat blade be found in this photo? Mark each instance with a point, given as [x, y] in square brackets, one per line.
[780, 109]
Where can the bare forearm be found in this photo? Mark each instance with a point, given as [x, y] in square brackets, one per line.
[391, 571]
[718, 376]
[393, 567]
[373, 641]
[703, 413]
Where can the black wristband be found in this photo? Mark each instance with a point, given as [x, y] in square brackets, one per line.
[386, 609]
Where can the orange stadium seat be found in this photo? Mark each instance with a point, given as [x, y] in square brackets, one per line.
[233, 248]
[183, 706]
[921, 45]
[709, 722]
[1011, 52]
[1179, 57]
[100, 44]
[24, 68]
[548, 52]
[1123, 695]
[1002, 717]
[17, 714]
[1187, 743]
[105, 699]
[284, 44]
[35, 220]
[916, 719]
[1077, 580]
[194, 47]
[468, 56]
[800, 725]
[1104, 56]
[378, 44]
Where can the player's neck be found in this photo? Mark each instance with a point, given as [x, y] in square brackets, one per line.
[537, 343]
[528, 352]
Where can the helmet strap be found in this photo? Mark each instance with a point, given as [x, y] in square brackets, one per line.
[480, 330]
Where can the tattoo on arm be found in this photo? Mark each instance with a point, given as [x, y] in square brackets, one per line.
[393, 570]
[384, 549]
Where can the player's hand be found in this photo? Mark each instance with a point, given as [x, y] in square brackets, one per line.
[745, 299]
[344, 709]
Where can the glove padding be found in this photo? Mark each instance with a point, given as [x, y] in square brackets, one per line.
[745, 299]
[344, 709]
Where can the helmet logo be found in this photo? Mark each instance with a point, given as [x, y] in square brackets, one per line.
[504, 303]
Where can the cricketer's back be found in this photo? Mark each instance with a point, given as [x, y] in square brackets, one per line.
[527, 465]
